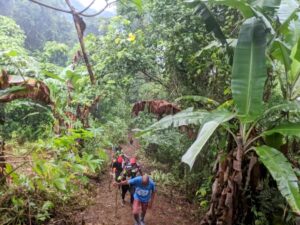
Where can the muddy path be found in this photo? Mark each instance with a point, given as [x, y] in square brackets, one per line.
[105, 211]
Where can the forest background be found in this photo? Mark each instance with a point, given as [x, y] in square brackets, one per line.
[230, 66]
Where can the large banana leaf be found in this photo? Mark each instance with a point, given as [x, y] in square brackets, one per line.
[286, 10]
[210, 21]
[290, 106]
[266, 3]
[282, 172]
[281, 51]
[294, 74]
[213, 120]
[288, 129]
[182, 118]
[295, 65]
[249, 70]
[241, 5]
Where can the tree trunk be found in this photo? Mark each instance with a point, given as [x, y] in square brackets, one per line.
[80, 27]
[226, 200]
[2, 162]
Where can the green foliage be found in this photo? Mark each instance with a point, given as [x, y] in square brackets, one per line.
[249, 70]
[211, 122]
[167, 150]
[211, 23]
[12, 37]
[26, 121]
[39, 23]
[287, 129]
[182, 118]
[248, 86]
[152, 50]
[55, 53]
[283, 173]
[57, 175]
[267, 198]
[184, 36]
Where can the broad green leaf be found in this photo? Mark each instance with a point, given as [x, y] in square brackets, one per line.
[295, 66]
[213, 120]
[210, 21]
[291, 28]
[79, 168]
[281, 52]
[11, 90]
[285, 107]
[12, 53]
[182, 118]
[266, 3]
[288, 129]
[283, 173]
[286, 10]
[241, 5]
[31, 114]
[249, 70]
[296, 88]
[53, 76]
[60, 184]
[197, 98]
[8, 168]
[138, 4]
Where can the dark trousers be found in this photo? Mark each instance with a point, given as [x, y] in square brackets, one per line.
[131, 190]
[125, 188]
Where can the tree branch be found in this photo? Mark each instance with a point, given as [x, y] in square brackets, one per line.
[50, 7]
[154, 79]
[101, 11]
[82, 11]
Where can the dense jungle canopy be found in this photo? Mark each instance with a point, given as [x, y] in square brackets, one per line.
[204, 94]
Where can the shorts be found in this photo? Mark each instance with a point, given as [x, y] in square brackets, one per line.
[138, 206]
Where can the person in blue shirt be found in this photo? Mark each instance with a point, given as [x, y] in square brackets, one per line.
[143, 196]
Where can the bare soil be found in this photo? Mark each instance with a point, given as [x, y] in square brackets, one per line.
[107, 209]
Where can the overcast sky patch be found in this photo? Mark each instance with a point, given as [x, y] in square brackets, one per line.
[98, 5]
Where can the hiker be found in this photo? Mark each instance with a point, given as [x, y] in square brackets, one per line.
[117, 167]
[118, 172]
[143, 196]
[117, 151]
[131, 170]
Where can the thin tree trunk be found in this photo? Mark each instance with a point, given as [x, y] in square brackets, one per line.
[2, 162]
[79, 28]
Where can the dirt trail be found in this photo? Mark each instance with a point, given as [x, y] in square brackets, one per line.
[103, 211]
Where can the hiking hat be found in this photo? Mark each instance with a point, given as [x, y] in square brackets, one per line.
[120, 159]
[133, 160]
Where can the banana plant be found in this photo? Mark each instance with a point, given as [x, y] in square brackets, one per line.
[249, 74]
[286, 50]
